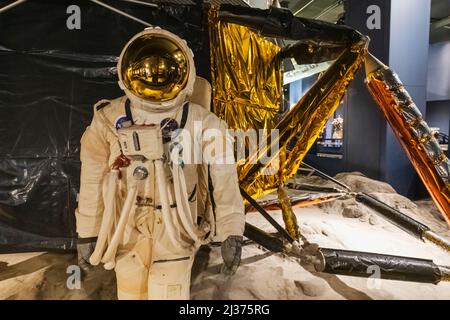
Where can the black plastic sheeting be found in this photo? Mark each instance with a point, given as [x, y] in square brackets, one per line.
[50, 78]
[362, 264]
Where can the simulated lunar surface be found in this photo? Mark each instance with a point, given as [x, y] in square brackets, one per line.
[339, 224]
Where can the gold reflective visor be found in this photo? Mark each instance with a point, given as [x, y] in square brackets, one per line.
[154, 68]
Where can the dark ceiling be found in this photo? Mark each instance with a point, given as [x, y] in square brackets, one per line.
[440, 21]
[327, 10]
[332, 10]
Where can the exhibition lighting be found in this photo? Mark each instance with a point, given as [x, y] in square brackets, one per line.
[303, 8]
[11, 5]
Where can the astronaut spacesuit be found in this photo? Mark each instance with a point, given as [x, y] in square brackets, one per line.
[145, 204]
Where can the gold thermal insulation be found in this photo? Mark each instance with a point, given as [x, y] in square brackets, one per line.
[247, 82]
[289, 218]
[246, 75]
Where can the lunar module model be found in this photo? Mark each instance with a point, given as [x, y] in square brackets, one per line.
[246, 61]
[247, 48]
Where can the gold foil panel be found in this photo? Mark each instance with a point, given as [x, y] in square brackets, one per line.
[246, 76]
[302, 125]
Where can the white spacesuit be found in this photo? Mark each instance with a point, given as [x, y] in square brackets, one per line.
[145, 201]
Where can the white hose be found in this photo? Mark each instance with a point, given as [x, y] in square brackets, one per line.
[175, 226]
[109, 259]
[109, 192]
[167, 213]
[184, 210]
[182, 200]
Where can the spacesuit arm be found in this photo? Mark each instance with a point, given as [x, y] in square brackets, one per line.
[94, 158]
[229, 206]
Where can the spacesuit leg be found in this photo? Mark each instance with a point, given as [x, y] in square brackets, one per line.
[170, 272]
[132, 270]
[170, 279]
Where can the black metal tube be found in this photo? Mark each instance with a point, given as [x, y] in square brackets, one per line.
[268, 217]
[363, 264]
[396, 217]
[262, 238]
[310, 187]
[325, 176]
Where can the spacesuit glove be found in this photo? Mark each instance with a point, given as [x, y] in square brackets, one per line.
[231, 254]
[85, 248]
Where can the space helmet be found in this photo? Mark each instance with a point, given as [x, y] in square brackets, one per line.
[156, 70]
